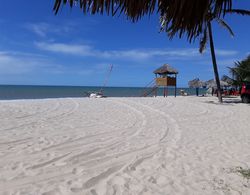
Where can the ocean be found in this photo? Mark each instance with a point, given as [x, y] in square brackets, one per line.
[11, 92]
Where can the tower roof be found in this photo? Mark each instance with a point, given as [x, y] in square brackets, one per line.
[165, 69]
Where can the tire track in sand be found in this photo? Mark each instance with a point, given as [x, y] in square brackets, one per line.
[168, 139]
[136, 144]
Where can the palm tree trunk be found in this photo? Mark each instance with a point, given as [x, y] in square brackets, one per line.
[216, 74]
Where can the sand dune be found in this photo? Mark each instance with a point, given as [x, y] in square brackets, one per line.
[124, 146]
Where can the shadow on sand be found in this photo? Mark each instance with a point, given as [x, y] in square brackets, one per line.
[230, 100]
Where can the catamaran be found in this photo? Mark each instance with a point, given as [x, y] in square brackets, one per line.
[100, 94]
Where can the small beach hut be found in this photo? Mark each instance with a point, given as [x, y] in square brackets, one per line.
[196, 83]
[211, 83]
[227, 79]
[165, 76]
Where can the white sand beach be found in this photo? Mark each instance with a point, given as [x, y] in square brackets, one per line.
[124, 146]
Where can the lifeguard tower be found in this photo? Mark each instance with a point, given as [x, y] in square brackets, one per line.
[165, 76]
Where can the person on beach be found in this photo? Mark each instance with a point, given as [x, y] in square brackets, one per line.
[197, 91]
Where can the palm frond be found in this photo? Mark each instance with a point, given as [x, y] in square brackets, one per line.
[182, 17]
[225, 25]
[238, 11]
[232, 70]
[57, 6]
[241, 70]
[203, 41]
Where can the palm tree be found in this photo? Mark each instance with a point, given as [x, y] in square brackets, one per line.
[178, 17]
[241, 71]
[208, 28]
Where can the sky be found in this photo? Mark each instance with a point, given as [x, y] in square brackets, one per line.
[76, 49]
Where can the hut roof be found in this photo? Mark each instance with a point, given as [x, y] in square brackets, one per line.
[227, 79]
[196, 83]
[211, 83]
[166, 69]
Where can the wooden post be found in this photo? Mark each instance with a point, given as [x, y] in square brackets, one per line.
[175, 85]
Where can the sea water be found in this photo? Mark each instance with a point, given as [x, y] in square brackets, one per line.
[9, 92]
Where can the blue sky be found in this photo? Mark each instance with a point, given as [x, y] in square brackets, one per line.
[39, 48]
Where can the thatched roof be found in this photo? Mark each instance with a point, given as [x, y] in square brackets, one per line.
[165, 69]
[227, 79]
[196, 83]
[212, 83]
[180, 17]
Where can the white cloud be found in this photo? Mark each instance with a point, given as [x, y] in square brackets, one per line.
[138, 54]
[42, 29]
[11, 64]
[221, 52]
[82, 50]
[133, 54]
[20, 63]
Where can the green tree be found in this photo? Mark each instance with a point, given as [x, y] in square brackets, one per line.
[241, 71]
[191, 18]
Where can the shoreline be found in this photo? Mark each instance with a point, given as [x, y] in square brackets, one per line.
[26, 92]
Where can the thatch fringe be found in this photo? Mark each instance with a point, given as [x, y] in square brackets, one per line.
[180, 16]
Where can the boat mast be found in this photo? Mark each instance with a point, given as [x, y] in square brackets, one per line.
[107, 77]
